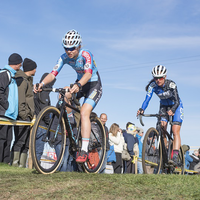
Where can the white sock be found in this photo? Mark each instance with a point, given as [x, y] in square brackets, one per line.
[85, 143]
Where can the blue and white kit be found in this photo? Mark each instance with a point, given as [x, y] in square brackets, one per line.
[169, 100]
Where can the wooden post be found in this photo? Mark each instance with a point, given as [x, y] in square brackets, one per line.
[30, 161]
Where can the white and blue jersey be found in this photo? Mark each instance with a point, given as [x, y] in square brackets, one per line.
[169, 99]
[82, 64]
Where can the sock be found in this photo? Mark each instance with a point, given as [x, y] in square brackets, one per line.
[85, 143]
[176, 152]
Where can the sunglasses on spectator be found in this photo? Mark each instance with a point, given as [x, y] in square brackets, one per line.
[160, 78]
[70, 49]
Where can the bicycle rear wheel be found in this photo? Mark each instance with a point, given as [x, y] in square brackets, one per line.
[97, 147]
[48, 141]
[151, 152]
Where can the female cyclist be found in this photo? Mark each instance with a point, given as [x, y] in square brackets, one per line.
[170, 104]
[88, 83]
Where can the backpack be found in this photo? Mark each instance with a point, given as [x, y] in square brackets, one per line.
[9, 77]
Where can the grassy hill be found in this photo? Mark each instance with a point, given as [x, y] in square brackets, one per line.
[18, 183]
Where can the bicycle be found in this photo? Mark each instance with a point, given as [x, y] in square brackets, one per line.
[156, 151]
[51, 129]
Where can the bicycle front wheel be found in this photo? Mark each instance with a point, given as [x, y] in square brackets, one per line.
[48, 140]
[151, 152]
[97, 147]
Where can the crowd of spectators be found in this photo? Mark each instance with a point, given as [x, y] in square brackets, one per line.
[18, 102]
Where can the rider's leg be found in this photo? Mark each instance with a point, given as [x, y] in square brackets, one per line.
[164, 125]
[86, 110]
[177, 138]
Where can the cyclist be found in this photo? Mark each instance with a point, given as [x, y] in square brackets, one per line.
[170, 105]
[88, 83]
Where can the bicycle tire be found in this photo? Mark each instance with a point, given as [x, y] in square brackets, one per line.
[151, 152]
[97, 147]
[45, 162]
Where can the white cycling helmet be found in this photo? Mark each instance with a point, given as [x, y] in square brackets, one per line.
[159, 71]
[71, 39]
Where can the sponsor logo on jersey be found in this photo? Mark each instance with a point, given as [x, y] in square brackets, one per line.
[55, 67]
[87, 56]
[149, 91]
[92, 95]
[172, 85]
[182, 113]
[86, 66]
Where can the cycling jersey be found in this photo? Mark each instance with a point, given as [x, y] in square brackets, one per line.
[169, 99]
[168, 95]
[82, 64]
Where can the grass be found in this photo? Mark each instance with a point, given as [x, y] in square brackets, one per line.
[18, 183]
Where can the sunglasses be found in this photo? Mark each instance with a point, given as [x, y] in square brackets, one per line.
[160, 78]
[70, 49]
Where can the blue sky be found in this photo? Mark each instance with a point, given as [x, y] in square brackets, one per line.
[127, 38]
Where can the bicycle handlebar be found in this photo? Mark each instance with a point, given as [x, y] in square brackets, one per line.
[153, 115]
[63, 91]
[146, 115]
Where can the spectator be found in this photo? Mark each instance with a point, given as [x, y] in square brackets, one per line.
[25, 112]
[41, 102]
[8, 103]
[195, 161]
[116, 138]
[103, 118]
[132, 146]
[188, 159]
[139, 135]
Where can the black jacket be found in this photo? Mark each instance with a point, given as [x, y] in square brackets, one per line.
[194, 162]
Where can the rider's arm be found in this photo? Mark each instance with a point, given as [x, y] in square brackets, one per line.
[48, 79]
[148, 96]
[86, 77]
[173, 87]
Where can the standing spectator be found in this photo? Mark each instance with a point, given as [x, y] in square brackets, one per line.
[26, 112]
[188, 159]
[103, 118]
[8, 103]
[116, 138]
[132, 146]
[195, 158]
[139, 135]
[41, 102]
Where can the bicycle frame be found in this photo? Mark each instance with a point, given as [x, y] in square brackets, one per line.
[74, 142]
[165, 151]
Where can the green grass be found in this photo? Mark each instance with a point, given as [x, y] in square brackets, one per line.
[18, 183]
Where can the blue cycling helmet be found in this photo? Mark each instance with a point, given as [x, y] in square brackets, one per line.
[71, 39]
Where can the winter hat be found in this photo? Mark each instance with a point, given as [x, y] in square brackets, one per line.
[29, 65]
[15, 59]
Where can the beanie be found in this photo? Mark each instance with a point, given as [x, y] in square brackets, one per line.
[15, 59]
[29, 65]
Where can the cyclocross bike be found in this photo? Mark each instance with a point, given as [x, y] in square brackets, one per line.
[157, 151]
[50, 132]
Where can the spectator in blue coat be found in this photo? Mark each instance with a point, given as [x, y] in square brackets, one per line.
[139, 135]
[188, 159]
